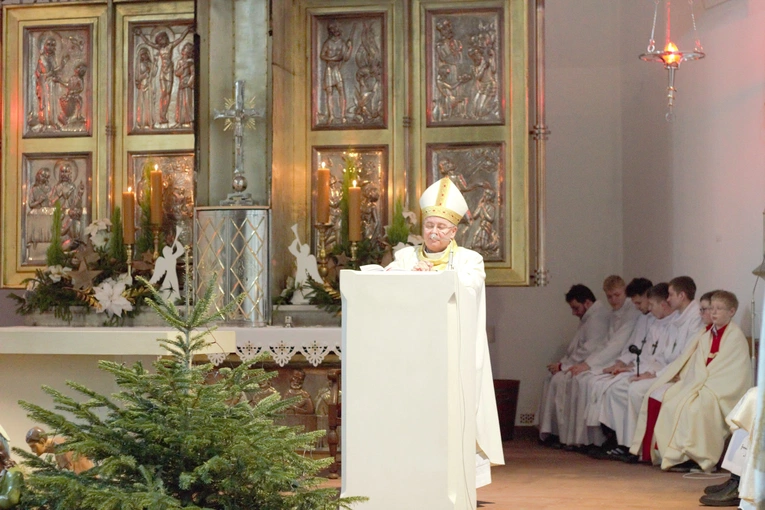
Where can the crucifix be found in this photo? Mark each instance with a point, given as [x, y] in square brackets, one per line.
[654, 345]
[239, 116]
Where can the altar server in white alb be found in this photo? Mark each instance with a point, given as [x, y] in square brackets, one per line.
[443, 206]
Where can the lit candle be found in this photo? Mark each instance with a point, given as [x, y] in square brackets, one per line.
[354, 213]
[128, 216]
[156, 196]
[322, 194]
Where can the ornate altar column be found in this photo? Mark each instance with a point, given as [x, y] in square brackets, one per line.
[232, 244]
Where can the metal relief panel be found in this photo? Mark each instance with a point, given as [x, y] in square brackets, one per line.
[349, 82]
[58, 84]
[177, 190]
[478, 172]
[161, 77]
[48, 179]
[464, 55]
[371, 165]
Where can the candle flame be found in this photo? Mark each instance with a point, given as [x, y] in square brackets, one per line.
[354, 183]
[323, 165]
[156, 167]
[130, 189]
[673, 55]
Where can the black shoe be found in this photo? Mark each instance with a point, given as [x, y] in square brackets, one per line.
[630, 459]
[568, 447]
[551, 441]
[598, 453]
[712, 489]
[728, 496]
[685, 467]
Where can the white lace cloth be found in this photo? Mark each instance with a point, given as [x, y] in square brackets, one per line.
[283, 343]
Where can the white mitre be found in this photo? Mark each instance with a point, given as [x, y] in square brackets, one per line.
[443, 199]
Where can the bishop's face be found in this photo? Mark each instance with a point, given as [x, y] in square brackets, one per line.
[437, 233]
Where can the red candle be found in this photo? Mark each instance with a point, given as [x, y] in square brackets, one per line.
[354, 213]
[128, 216]
[322, 194]
[156, 196]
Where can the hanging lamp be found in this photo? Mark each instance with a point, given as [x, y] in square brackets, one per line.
[671, 56]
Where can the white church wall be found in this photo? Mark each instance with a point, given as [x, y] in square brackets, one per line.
[584, 194]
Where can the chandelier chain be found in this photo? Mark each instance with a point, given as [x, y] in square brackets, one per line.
[652, 41]
[697, 48]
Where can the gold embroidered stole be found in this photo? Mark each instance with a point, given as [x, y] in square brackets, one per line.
[440, 263]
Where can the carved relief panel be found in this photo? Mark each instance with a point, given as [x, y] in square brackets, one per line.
[478, 172]
[177, 190]
[58, 83]
[464, 67]
[349, 83]
[160, 77]
[371, 165]
[47, 180]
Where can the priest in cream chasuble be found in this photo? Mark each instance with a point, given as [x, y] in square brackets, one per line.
[443, 206]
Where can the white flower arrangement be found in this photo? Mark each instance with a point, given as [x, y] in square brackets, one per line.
[99, 232]
[110, 295]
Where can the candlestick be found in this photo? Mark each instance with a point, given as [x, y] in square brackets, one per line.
[129, 249]
[354, 213]
[128, 216]
[322, 194]
[155, 229]
[322, 258]
[156, 195]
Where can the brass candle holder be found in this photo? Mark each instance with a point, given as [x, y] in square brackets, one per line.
[155, 229]
[322, 258]
[354, 251]
[129, 249]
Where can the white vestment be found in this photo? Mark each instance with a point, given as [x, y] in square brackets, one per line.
[686, 326]
[618, 411]
[470, 271]
[591, 334]
[601, 382]
[621, 324]
[743, 416]
[691, 422]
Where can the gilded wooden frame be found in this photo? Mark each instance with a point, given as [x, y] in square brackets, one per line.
[408, 134]
[19, 20]
[515, 264]
[107, 138]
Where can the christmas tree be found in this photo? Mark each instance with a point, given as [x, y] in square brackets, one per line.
[180, 436]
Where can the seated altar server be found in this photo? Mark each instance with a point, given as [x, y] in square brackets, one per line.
[709, 378]
[622, 321]
[624, 365]
[443, 206]
[590, 336]
[616, 413]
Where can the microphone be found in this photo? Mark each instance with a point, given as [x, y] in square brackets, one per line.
[637, 351]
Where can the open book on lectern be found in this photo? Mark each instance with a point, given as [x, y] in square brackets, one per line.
[373, 268]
